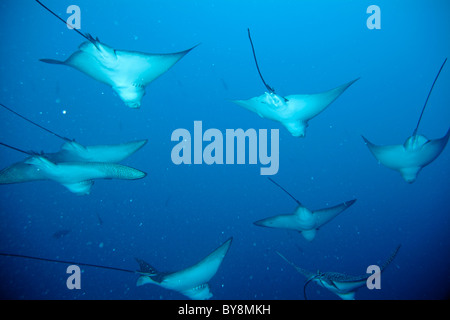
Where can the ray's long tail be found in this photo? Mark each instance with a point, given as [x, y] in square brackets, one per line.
[389, 260]
[86, 36]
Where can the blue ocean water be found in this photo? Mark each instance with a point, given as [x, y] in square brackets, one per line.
[180, 213]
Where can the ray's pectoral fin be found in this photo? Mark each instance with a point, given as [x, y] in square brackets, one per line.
[391, 156]
[73, 152]
[433, 148]
[307, 106]
[323, 216]
[21, 172]
[304, 107]
[138, 70]
[73, 146]
[40, 162]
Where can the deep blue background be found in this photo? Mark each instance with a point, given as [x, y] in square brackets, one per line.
[178, 214]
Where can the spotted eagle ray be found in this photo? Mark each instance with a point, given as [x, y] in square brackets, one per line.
[72, 151]
[191, 282]
[341, 284]
[127, 72]
[416, 153]
[76, 176]
[293, 111]
[74, 166]
[303, 220]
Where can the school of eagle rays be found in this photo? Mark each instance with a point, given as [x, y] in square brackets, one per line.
[76, 166]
